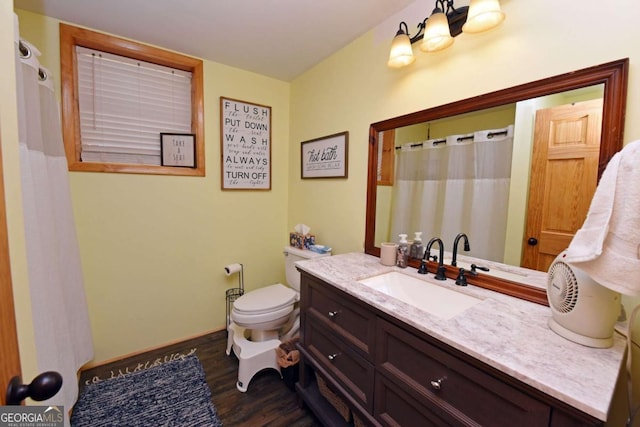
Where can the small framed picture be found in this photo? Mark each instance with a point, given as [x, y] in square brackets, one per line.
[178, 149]
[325, 157]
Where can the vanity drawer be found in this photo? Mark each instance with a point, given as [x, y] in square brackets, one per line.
[398, 406]
[341, 313]
[462, 392]
[343, 364]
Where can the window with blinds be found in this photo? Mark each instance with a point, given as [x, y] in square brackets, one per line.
[125, 104]
[119, 96]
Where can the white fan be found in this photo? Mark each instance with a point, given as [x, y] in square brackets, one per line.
[582, 310]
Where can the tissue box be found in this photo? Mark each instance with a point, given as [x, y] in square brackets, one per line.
[301, 241]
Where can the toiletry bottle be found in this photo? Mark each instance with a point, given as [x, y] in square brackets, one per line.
[402, 258]
[417, 249]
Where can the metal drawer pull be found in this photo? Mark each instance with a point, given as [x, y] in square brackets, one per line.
[437, 384]
[332, 356]
[333, 313]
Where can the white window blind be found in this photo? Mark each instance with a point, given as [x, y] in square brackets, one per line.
[125, 104]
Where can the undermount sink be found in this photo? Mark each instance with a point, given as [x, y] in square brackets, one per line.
[433, 299]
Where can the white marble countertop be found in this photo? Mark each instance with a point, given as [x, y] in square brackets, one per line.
[506, 333]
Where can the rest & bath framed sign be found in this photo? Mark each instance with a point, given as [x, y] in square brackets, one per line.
[325, 157]
[245, 142]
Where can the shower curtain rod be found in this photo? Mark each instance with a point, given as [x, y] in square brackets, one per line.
[461, 138]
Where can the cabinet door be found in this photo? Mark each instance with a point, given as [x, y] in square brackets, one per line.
[443, 382]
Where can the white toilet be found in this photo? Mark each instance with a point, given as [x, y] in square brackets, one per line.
[260, 319]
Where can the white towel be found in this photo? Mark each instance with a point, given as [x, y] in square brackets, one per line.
[607, 247]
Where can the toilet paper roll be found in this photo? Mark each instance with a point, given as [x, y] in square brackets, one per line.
[232, 269]
[388, 253]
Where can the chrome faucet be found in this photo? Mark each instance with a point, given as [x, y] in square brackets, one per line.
[427, 255]
[455, 247]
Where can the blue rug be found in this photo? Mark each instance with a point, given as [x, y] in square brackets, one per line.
[172, 394]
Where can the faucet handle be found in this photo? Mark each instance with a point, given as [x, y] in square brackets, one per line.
[479, 267]
[461, 280]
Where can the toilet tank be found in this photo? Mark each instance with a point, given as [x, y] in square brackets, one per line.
[291, 256]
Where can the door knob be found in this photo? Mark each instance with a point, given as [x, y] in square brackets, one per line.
[43, 387]
[437, 384]
[532, 241]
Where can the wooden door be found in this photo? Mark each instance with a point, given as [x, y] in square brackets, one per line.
[564, 175]
[9, 355]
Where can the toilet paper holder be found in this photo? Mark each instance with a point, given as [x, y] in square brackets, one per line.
[234, 293]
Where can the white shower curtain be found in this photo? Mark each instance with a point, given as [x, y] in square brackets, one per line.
[60, 317]
[458, 186]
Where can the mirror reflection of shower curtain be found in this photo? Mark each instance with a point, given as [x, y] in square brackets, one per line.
[62, 331]
[458, 187]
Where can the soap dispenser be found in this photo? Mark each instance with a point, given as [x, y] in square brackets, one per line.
[402, 258]
[417, 249]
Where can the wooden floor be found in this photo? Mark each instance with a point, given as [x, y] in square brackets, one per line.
[267, 402]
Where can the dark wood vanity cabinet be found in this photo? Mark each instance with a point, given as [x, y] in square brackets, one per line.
[390, 374]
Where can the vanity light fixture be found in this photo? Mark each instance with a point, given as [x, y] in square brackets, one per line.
[438, 30]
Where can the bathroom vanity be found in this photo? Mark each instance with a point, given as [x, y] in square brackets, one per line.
[393, 361]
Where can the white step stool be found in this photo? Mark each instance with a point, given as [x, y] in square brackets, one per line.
[253, 356]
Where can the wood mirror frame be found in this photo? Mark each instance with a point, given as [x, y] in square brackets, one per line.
[614, 76]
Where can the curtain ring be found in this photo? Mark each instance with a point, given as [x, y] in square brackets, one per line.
[42, 75]
[24, 50]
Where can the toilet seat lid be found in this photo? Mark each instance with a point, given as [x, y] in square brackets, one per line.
[265, 299]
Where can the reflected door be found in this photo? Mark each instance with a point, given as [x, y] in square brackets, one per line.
[566, 150]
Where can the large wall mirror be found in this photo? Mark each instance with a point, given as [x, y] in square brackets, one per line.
[515, 118]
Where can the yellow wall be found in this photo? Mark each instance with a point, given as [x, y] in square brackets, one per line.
[153, 248]
[413, 133]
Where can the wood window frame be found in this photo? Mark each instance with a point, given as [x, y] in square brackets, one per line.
[388, 157]
[70, 37]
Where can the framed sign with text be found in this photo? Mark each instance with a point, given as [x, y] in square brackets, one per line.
[178, 149]
[245, 140]
[325, 157]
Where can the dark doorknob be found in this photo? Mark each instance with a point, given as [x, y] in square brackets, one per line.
[43, 387]
[532, 241]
